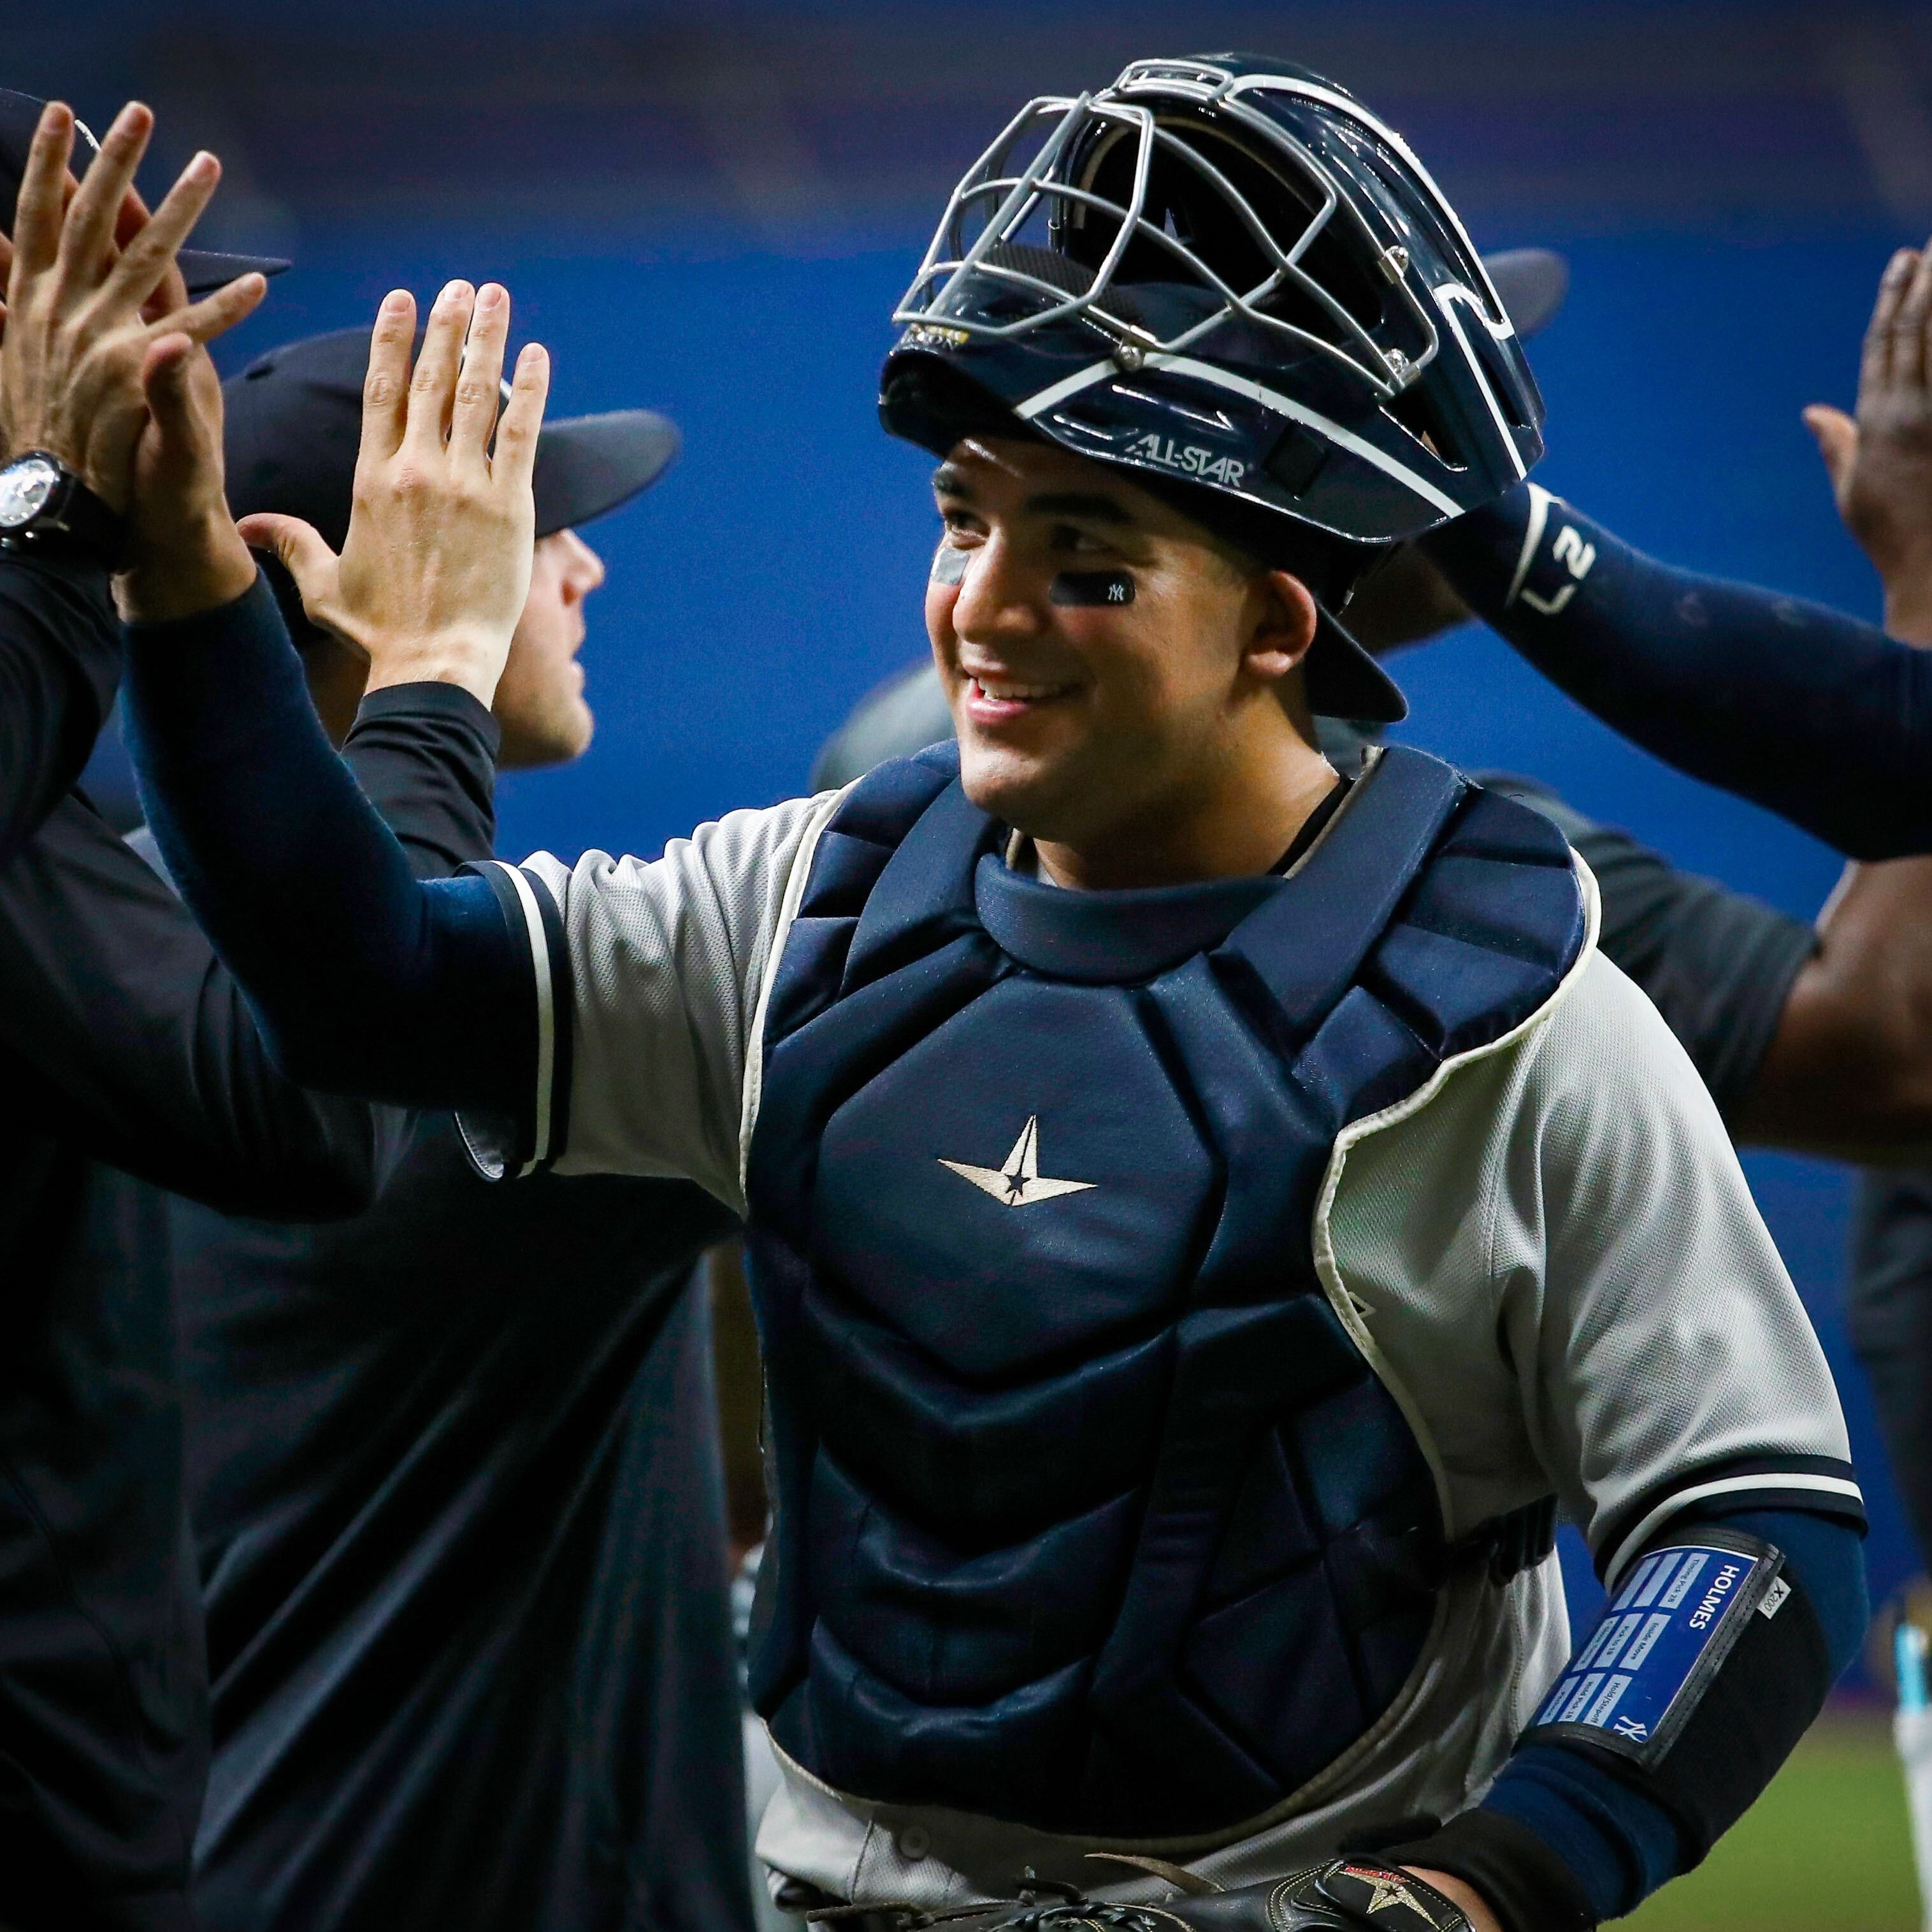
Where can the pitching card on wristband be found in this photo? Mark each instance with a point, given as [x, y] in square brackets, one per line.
[1633, 1687]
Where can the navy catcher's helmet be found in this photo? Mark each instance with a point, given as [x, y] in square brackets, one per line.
[1223, 273]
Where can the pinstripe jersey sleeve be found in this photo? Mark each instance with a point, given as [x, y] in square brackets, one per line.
[649, 978]
[1677, 1369]
[1560, 1261]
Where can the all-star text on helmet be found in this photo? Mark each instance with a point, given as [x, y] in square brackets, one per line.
[1223, 271]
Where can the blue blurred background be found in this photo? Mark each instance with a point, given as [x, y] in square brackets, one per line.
[712, 212]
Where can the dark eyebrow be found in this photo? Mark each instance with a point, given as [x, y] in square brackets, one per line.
[1090, 509]
[1089, 506]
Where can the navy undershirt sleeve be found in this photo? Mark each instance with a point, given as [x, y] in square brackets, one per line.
[1812, 714]
[365, 979]
[1618, 1844]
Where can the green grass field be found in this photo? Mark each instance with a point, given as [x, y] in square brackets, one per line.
[1824, 1850]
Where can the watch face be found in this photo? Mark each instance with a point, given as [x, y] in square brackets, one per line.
[25, 488]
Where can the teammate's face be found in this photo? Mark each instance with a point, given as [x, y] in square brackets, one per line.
[540, 702]
[1111, 669]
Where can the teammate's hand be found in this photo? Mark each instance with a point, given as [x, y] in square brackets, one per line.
[1881, 464]
[92, 285]
[184, 554]
[435, 570]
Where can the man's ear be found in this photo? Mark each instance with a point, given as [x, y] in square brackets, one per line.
[1281, 621]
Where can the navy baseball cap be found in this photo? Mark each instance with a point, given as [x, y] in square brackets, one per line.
[295, 418]
[1531, 282]
[202, 269]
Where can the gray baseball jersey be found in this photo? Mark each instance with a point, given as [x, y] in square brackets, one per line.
[1549, 1254]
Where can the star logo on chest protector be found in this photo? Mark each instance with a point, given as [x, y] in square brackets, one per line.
[1018, 1184]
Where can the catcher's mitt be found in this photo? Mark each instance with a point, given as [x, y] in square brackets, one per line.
[1339, 1895]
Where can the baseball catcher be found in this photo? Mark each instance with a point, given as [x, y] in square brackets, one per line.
[1206, 1218]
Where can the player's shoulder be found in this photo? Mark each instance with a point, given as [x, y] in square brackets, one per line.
[1606, 1073]
[737, 856]
[1596, 1058]
[1604, 1013]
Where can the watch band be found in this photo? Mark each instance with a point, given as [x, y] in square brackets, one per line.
[74, 523]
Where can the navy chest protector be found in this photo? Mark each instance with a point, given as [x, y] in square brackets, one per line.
[1089, 1515]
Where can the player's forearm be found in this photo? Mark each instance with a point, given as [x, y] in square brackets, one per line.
[60, 659]
[128, 1041]
[142, 1048]
[367, 981]
[1812, 714]
[1570, 1836]
[425, 757]
[1848, 1071]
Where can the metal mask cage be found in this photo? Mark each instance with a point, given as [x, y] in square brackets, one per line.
[1007, 198]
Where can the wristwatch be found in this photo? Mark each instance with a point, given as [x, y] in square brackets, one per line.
[46, 509]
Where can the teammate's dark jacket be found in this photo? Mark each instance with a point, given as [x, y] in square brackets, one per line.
[454, 1478]
[60, 659]
[123, 1041]
[453, 1474]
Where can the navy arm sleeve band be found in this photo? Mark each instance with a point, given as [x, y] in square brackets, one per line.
[1567, 1836]
[1814, 715]
[366, 980]
[60, 659]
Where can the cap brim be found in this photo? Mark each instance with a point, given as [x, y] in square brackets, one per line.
[1342, 681]
[586, 465]
[204, 271]
[1532, 283]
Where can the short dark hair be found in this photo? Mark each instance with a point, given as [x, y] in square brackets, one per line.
[932, 403]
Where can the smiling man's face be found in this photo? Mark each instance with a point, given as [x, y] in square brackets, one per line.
[1096, 644]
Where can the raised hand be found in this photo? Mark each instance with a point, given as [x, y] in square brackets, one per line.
[91, 287]
[183, 554]
[1880, 464]
[436, 568]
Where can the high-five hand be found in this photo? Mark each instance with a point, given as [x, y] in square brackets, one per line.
[92, 285]
[1881, 464]
[435, 570]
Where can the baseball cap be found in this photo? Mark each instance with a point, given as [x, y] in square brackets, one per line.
[1532, 283]
[202, 269]
[294, 419]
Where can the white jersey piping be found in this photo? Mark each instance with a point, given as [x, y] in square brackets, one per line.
[1679, 1500]
[1329, 1269]
[546, 1001]
[795, 882]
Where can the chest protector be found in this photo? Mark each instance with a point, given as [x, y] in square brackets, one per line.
[1089, 1515]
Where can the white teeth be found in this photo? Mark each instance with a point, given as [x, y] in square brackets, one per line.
[1009, 694]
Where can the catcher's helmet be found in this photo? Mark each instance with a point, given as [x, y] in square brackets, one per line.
[1223, 273]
